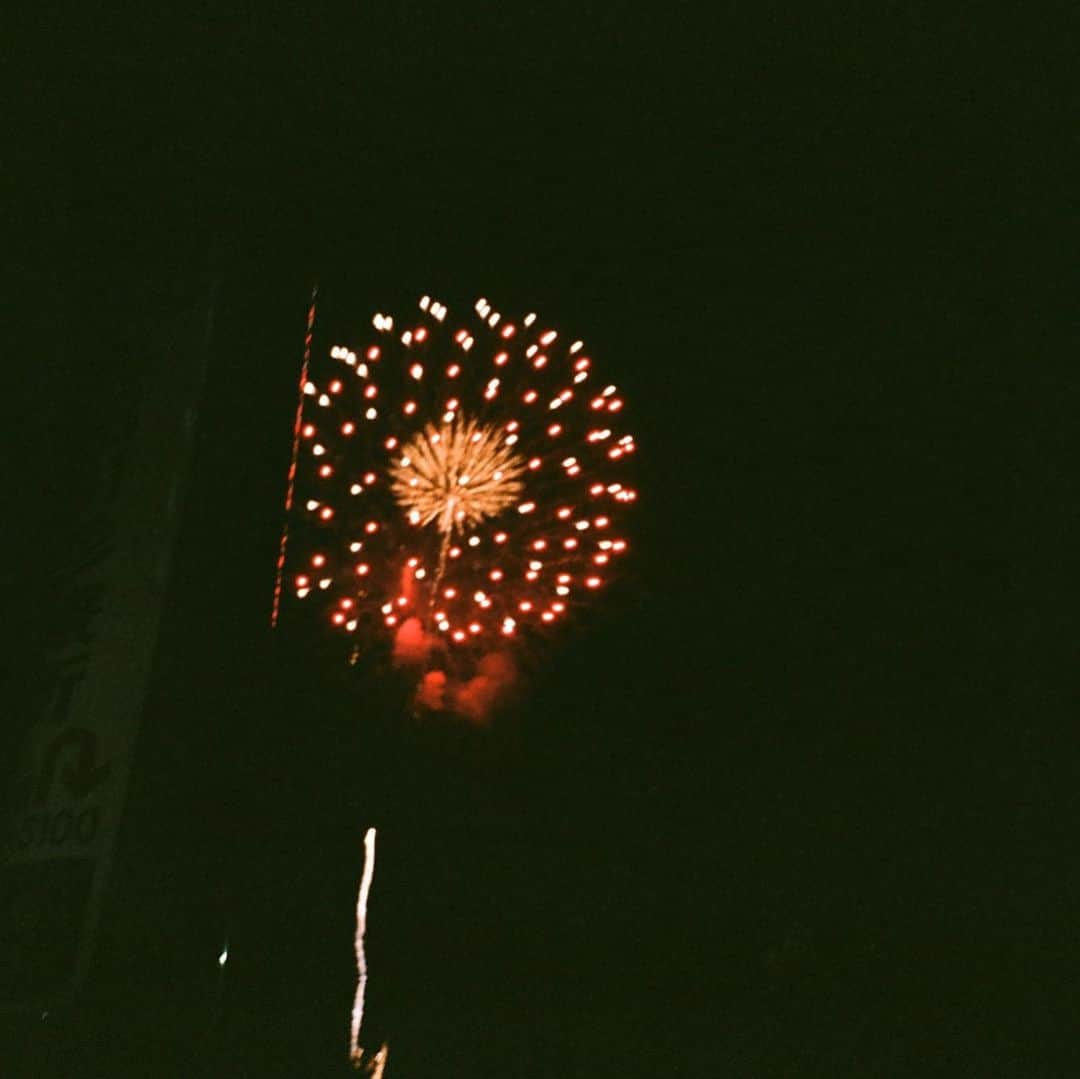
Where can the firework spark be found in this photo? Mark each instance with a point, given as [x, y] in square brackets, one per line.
[459, 487]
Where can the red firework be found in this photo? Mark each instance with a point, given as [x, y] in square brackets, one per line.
[457, 485]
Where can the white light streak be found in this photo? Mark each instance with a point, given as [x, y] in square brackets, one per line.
[355, 1051]
[378, 1062]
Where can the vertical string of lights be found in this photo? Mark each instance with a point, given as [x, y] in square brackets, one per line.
[290, 484]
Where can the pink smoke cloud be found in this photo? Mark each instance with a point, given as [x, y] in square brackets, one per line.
[474, 699]
[477, 698]
[411, 643]
[431, 693]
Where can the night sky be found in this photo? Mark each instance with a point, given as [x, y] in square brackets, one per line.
[782, 803]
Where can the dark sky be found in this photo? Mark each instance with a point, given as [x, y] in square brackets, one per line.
[776, 809]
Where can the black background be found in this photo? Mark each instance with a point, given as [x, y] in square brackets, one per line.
[785, 805]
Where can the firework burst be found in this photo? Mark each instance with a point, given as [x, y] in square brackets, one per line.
[456, 475]
[456, 486]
